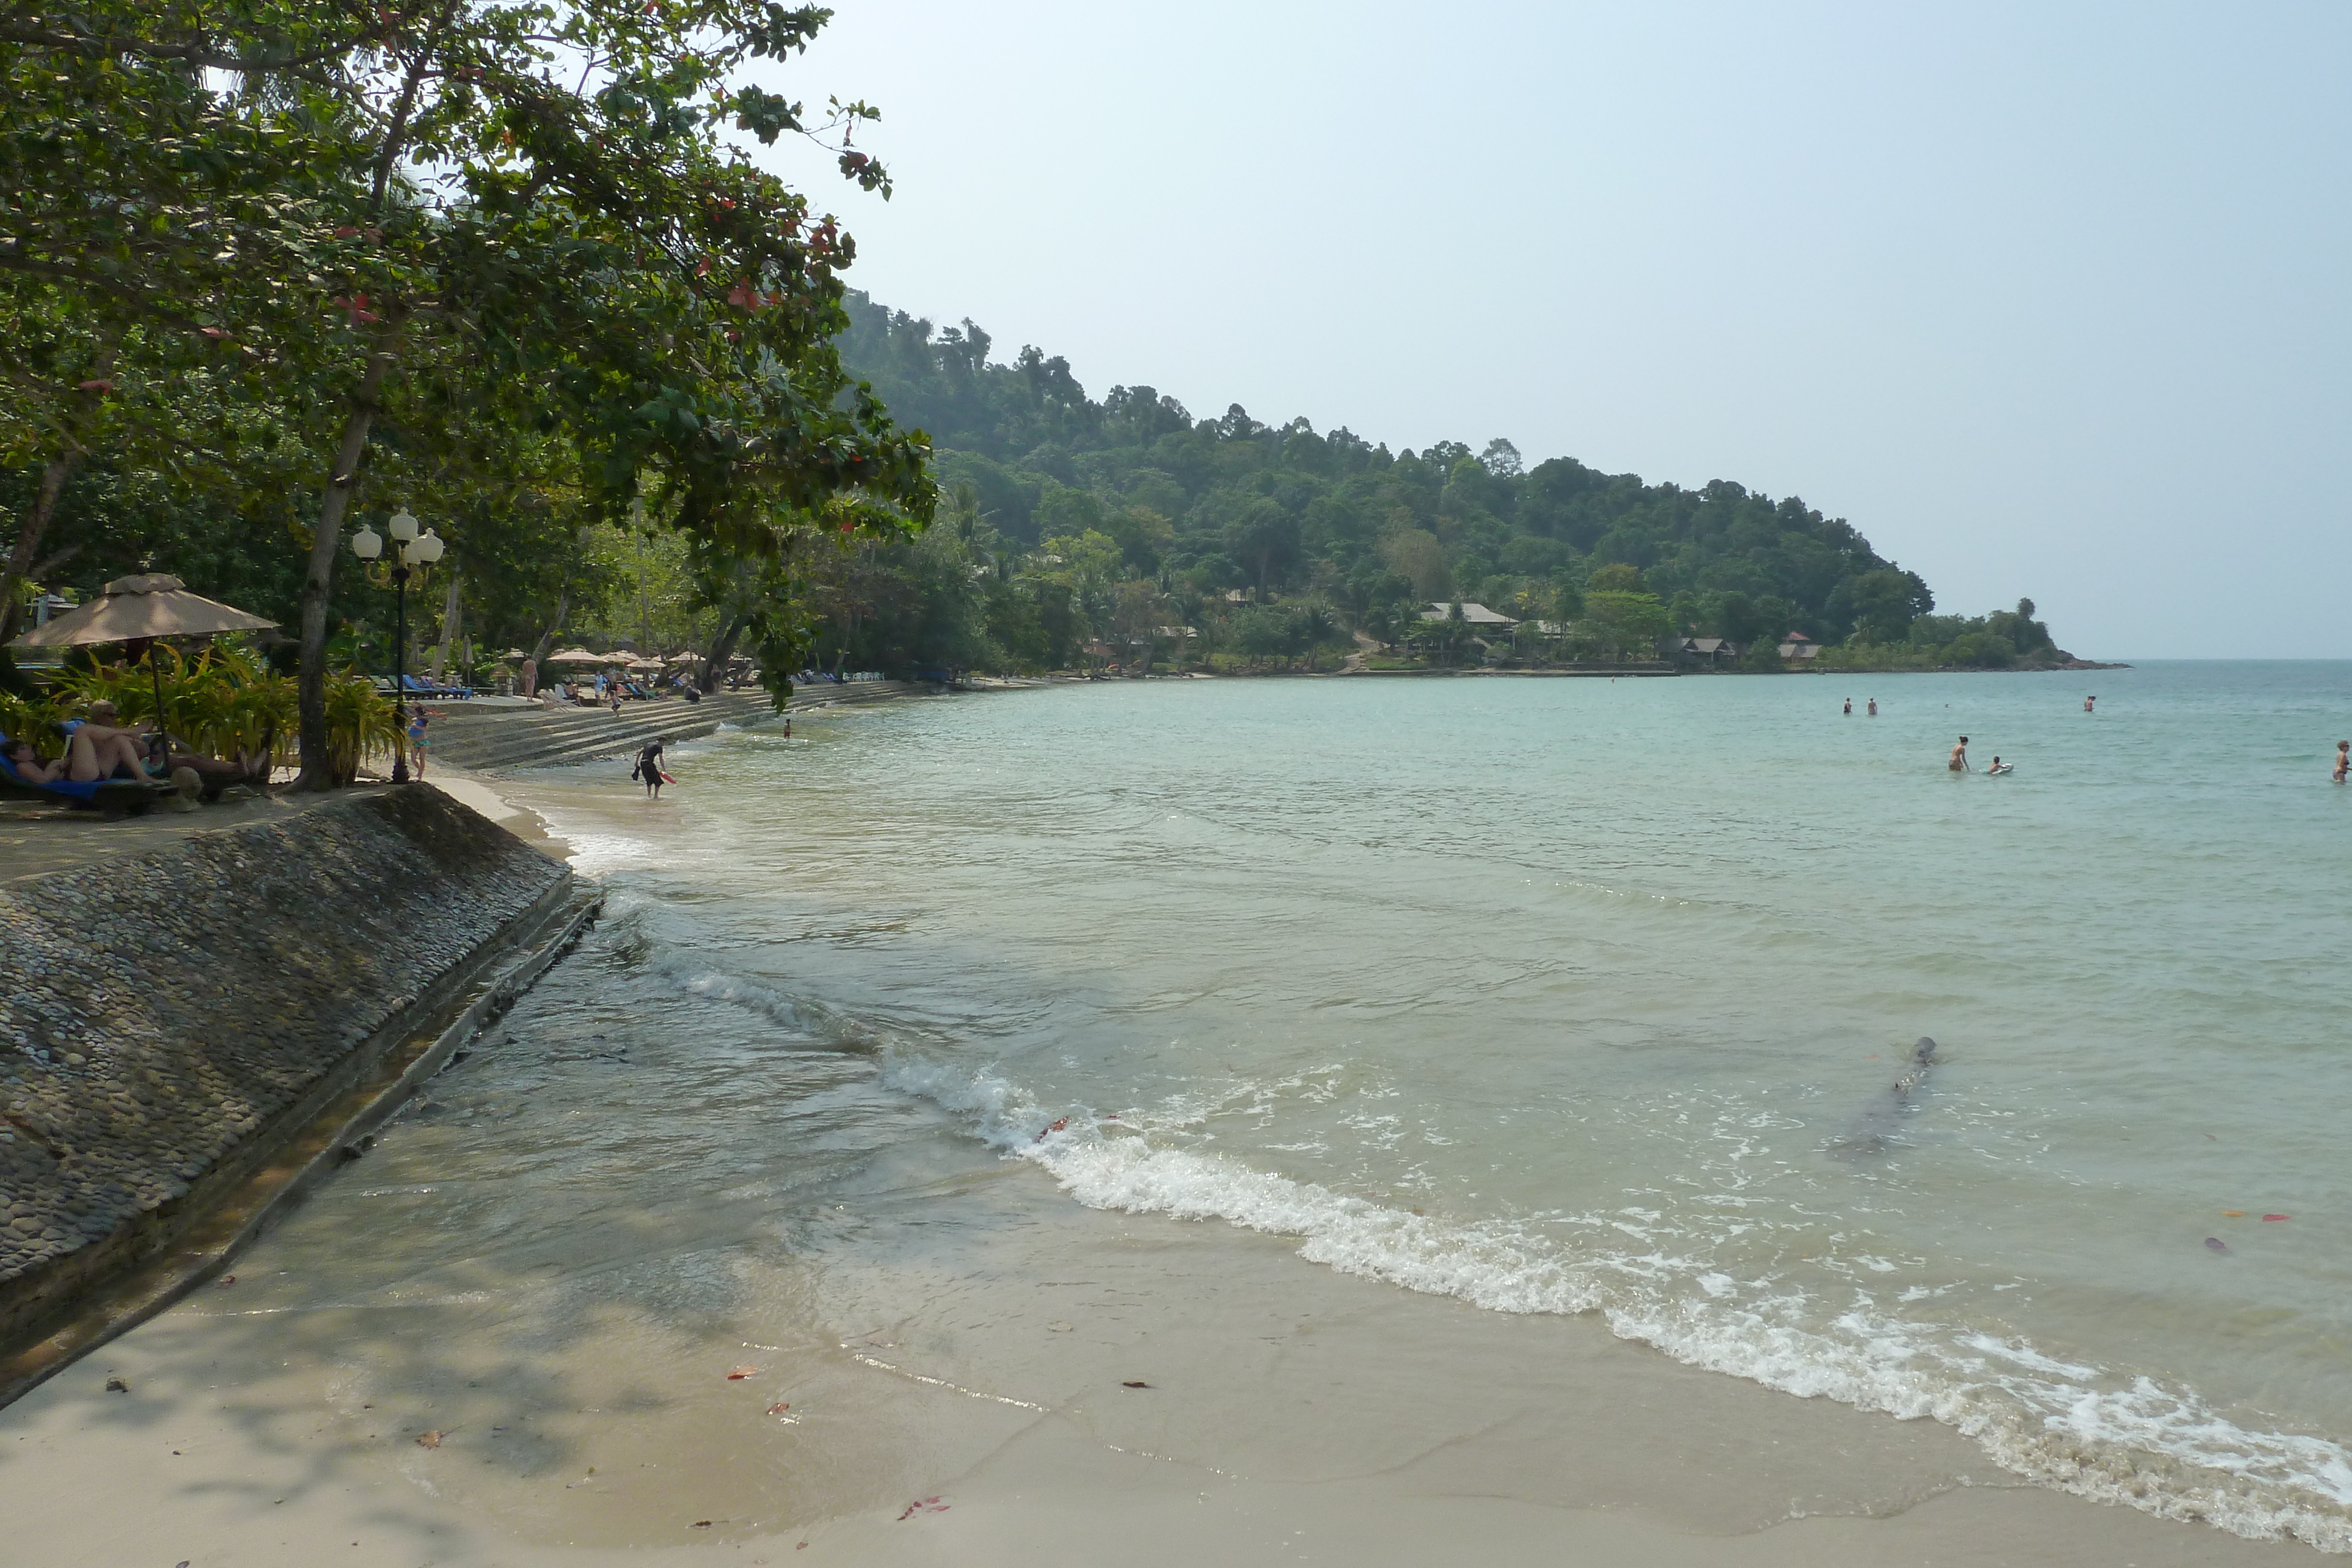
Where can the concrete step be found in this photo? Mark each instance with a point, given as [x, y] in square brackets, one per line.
[567, 736]
[487, 740]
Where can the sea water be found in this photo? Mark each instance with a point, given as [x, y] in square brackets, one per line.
[1560, 998]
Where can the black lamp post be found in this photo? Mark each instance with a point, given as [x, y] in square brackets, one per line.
[417, 551]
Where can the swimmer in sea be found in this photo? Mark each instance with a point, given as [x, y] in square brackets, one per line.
[1960, 762]
[2343, 759]
[1849, 708]
[1997, 766]
[2087, 704]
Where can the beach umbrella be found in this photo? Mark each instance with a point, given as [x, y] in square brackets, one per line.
[576, 656]
[140, 610]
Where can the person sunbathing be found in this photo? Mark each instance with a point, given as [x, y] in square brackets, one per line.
[26, 764]
[89, 759]
[118, 751]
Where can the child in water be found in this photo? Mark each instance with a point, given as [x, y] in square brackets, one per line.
[1997, 766]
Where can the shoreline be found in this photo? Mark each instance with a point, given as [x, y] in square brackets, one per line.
[611, 1441]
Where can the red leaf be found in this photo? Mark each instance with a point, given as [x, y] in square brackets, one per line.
[740, 1373]
[2274, 1216]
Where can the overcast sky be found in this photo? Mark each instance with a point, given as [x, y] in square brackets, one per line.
[2045, 299]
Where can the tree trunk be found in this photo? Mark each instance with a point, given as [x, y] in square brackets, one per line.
[546, 643]
[318, 762]
[720, 652]
[450, 607]
[54, 475]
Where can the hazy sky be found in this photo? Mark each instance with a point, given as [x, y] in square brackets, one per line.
[2046, 300]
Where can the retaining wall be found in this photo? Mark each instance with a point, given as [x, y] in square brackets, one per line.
[168, 1020]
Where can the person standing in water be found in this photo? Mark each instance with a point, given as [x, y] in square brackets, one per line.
[1960, 762]
[1849, 708]
[649, 767]
[2343, 760]
[2088, 704]
[1874, 707]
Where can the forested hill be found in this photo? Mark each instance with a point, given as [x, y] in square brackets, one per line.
[1205, 505]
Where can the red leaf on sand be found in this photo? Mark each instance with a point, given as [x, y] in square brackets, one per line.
[2215, 1243]
[740, 1373]
[229, 1278]
[2274, 1216]
[701, 1525]
[778, 1409]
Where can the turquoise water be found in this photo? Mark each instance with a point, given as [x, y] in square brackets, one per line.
[1583, 996]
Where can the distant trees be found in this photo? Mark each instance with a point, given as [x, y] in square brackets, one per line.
[1285, 511]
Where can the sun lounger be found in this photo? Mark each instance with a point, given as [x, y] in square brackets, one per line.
[115, 797]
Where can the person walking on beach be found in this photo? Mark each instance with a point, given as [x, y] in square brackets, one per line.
[649, 767]
[1960, 762]
[2343, 760]
[417, 744]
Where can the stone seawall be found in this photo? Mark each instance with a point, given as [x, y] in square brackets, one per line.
[169, 1021]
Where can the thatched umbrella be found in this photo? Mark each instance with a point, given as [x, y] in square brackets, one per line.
[578, 657]
[140, 610]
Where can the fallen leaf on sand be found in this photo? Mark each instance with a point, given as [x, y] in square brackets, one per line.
[700, 1524]
[2233, 1214]
[229, 1278]
[740, 1373]
[2215, 1243]
[2274, 1216]
[429, 1441]
[116, 1385]
[778, 1409]
[1058, 1328]
[1135, 1385]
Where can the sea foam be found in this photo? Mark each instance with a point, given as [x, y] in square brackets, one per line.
[2076, 1428]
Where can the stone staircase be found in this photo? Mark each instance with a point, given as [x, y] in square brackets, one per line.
[482, 740]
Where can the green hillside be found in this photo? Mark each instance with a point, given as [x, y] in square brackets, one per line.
[1196, 507]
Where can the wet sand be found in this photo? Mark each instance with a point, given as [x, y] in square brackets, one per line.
[936, 1360]
[586, 1415]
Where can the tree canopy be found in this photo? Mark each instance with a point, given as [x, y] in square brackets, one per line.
[1203, 507]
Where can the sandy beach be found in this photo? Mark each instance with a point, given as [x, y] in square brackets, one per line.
[699, 1256]
[276, 1421]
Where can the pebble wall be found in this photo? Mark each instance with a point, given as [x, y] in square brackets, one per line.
[158, 1013]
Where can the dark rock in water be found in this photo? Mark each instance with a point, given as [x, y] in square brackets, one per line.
[1883, 1114]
